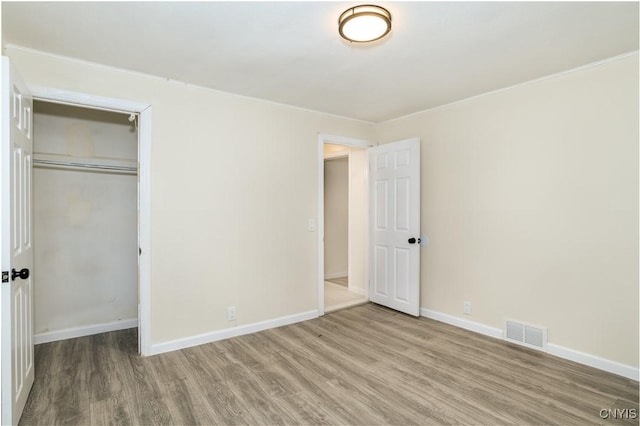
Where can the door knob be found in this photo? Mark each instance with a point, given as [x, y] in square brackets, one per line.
[23, 274]
[413, 240]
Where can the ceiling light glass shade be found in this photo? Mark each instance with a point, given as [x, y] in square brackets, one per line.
[364, 23]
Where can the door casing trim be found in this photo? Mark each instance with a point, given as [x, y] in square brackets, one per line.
[143, 110]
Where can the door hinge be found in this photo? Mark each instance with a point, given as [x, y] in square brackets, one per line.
[5, 276]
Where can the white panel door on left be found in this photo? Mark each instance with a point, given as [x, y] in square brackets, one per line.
[16, 253]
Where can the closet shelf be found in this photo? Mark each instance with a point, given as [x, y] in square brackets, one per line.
[87, 164]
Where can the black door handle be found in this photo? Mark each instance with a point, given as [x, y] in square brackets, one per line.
[22, 273]
[413, 240]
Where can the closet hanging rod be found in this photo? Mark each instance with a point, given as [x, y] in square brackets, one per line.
[86, 166]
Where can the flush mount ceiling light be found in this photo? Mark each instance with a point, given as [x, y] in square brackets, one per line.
[364, 23]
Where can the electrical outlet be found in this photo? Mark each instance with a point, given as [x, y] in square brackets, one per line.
[231, 313]
[466, 308]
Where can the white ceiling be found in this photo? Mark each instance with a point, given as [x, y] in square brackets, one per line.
[291, 53]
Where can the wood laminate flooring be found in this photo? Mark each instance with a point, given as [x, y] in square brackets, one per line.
[361, 366]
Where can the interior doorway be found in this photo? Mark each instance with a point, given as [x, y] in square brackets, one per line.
[143, 114]
[85, 208]
[343, 222]
[342, 177]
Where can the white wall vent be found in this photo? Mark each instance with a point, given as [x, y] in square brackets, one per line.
[525, 334]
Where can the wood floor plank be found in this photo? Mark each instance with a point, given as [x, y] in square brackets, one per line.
[103, 383]
[358, 381]
[71, 384]
[212, 376]
[40, 396]
[110, 412]
[142, 390]
[273, 374]
[295, 371]
[367, 365]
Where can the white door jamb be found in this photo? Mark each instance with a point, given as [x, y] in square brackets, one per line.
[144, 195]
[345, 141]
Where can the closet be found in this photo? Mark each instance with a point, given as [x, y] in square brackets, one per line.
[85, 207]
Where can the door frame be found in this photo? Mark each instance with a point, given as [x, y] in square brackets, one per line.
[349, 142]
[143, 110]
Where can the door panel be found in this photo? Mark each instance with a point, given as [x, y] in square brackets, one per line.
[16, 245]
[402, 262]
[380, 271]
[402, 204]
[395, 195]
[381, 204]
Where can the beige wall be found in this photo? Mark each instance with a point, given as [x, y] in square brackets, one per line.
[85, 222]
[529, 195]
[336, 217]
[530, 199]
[331, 149]
[229, 207]
[358, 219]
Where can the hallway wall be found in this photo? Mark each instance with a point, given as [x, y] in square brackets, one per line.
[336, 217]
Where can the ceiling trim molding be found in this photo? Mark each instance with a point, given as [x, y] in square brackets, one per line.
[173, 81]
[221, 92]
[517, 85]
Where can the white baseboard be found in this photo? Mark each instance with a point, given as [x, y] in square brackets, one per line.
[88, 330]
[462, 323]
[357, 290]
[552, 349]
[336, 275]
[594, 361]
[226, 333]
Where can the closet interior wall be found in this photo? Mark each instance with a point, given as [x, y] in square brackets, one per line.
[85, 217]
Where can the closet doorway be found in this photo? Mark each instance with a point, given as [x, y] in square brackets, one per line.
[85, 215]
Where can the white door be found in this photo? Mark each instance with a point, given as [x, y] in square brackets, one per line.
[16, 245]
[395, 225]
